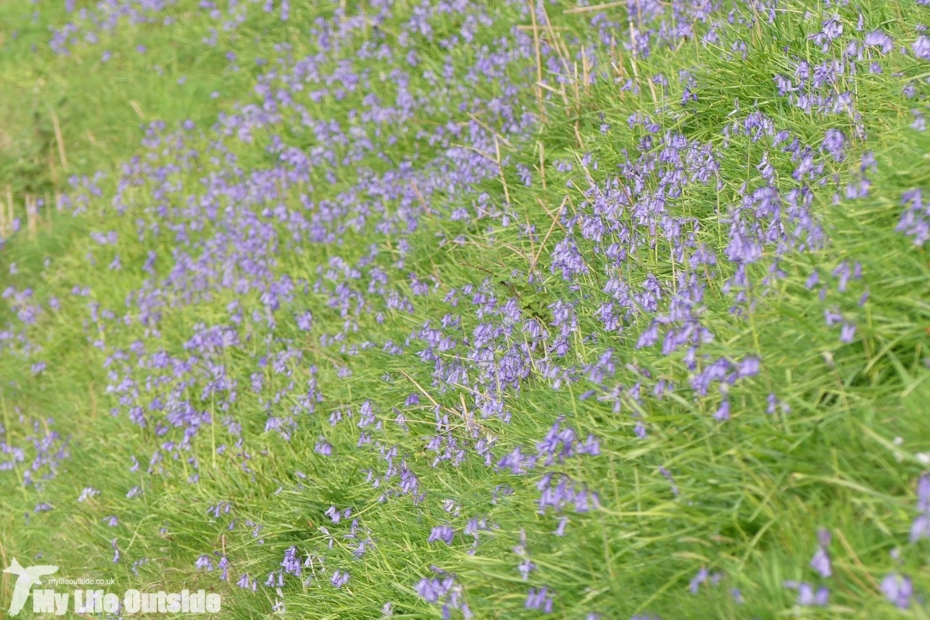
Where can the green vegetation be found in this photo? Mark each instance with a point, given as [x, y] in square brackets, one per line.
[736, 477]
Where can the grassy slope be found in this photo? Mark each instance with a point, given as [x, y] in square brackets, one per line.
[753, 490]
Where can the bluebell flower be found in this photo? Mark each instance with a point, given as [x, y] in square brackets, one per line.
[898, 590]
[539, 599]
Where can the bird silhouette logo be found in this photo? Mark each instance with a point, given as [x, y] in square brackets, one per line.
[25, 579]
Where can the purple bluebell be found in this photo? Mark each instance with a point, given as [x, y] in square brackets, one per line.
[898, 590]
[921, 48]
[807, 596]
[339, 578]
[442, 533]
[821, 560]
[697, 580]
[847, 332]
[539, 599]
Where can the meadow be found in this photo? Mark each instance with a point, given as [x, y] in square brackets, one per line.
[469, 308]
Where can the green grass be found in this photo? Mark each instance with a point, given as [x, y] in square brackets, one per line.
[753, 491]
